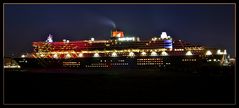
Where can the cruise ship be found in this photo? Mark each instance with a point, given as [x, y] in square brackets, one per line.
[121, 51]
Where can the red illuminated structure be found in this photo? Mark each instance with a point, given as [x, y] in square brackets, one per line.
[117, 33]
[59, 46]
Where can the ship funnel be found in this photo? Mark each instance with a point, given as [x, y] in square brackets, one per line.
[117, 33]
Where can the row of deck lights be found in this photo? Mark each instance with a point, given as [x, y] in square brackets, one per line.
[114, 54]
[131, 54]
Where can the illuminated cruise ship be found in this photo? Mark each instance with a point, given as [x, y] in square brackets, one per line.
[121, 51]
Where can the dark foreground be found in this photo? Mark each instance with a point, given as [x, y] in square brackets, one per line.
[119, 86]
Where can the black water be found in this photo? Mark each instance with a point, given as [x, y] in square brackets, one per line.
[118, 86]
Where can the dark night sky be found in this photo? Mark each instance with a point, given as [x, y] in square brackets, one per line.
[209, 25]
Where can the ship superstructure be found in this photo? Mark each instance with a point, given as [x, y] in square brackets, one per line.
[121, 51]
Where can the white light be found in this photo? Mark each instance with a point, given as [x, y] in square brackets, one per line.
[118, 35]
[225, 52]
[189, 53]
[23, 56]
[55, 56]
[209, 60]
[80, 55]
[154, 39]
[127, 39]
[154, 53]
[42, 55]
[208, 52]
[92, 39]
[67, 41]
[96, 55]
[68, 56]
[219, 52]
[114, 54]
[164, 35]
[143, 53]
[164, 53]
[137, 39]
[49, 38]
[131, 54]
[214, 60]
